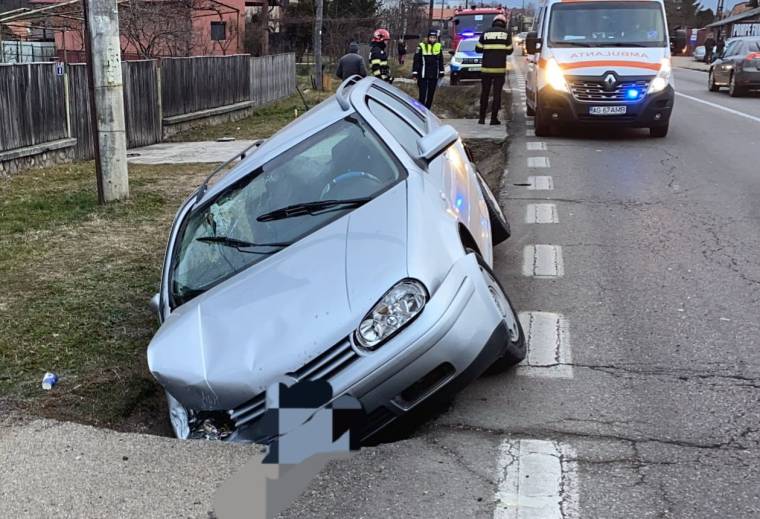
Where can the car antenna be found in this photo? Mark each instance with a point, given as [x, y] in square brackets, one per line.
[243, 154]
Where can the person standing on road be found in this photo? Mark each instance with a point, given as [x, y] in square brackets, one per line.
[401, 49]
[496, 45]
[378, 57]
[709, 45]
[428, 67]
[720, 47]
[351, 64]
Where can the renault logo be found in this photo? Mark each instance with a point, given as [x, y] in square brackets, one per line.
[609, 81]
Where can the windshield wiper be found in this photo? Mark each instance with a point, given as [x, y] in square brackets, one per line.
[570, 44]
[241, 244]
[623, 44]
[311, 208]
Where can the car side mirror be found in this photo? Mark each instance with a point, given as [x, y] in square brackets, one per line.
[452, 51]
[532, 43]
[155, 305]
[435, 143]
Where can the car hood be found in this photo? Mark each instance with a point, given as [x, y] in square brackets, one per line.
[228, 344]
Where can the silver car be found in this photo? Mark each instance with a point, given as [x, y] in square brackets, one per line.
[354, 246]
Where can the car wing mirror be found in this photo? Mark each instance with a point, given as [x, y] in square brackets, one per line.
[435, 143]
[452, 51]
[532, 43]
[155, 305]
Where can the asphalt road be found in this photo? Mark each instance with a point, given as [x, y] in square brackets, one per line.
[648, 403]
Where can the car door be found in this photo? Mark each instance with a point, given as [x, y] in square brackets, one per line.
[723, 66]
[531, 81]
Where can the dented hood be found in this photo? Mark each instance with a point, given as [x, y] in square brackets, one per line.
[227, 345]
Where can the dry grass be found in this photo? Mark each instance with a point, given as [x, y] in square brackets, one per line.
[76, 281]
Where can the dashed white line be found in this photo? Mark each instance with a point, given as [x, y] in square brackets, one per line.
[535, 146]
[529, 123]
[536, 479]
[541, 213]
[540, 183]
[539, 162]
[549, 351]
[530, 132]
[543, 261]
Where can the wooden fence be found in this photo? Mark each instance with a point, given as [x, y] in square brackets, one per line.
[272, 77]
[193, 84]
[32, 105]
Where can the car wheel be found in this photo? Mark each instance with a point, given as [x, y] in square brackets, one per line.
[500, 229]
[659, 131]
[516, 346]
[454, 80]
[542, 127]
[733, 89]
[711, 82]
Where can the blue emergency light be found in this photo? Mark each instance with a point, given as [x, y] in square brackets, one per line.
[468, 34]
[632, 93]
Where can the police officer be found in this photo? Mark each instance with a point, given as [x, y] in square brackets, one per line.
[378, 56]
[496, 45]
[428, 67]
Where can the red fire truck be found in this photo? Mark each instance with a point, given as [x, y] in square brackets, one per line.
[467, 23]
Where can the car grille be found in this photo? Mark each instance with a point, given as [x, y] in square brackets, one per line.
[595, 90]
[321, 367]
[470, 61]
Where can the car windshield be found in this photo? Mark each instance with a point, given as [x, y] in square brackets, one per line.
[293, 195]
[607, 24]
[467, 45]
[473, 22]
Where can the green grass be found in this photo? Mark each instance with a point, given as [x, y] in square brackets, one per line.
[76, 280]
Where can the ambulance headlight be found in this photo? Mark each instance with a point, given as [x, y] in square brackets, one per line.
[555, 77]
[662, 79]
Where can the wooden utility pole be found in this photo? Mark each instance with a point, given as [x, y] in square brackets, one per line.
[265, 28]
[106, 99]
[430, 13]
[318, 45]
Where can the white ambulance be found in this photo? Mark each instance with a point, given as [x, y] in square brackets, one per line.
[600, 62]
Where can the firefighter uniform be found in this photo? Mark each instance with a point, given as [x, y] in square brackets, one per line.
[378, 60]
[428, 69]
[496, 45]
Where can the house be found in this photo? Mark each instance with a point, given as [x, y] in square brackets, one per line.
[744, 23]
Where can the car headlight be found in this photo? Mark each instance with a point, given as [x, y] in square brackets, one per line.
[555, 77]
[454, 59]
[397, 308]
[662, 78]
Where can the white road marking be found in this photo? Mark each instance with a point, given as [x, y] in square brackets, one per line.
[535, 146]
[530, 132]
[549, 351]
[540, 183]
[543, 261]
[536, 479]
[539, 162]
[541, 213]
[529, 123]
[720, 107]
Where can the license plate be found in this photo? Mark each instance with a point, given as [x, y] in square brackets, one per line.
[607, 110]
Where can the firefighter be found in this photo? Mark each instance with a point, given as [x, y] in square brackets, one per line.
[496, 45]
[378, 57]
[428, 67]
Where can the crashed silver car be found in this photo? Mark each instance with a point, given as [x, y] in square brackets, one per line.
[354, 246]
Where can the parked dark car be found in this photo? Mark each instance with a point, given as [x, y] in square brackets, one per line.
[737, 68]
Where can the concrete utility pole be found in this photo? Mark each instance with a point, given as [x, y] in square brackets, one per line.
[318, 45]
[106, 99]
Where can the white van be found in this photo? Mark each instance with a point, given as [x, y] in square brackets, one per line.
[600, 62]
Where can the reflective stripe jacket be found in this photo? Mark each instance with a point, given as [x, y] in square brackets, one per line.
[428, 60]
[496, 45]
[378, 61]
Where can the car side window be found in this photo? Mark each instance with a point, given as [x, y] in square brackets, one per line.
[402, 131]
[402, 107]
[539, 22]
[732, 49]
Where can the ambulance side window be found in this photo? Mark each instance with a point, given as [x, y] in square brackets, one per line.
[540, 22]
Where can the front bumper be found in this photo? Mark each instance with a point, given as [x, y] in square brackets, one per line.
[458, 335]
[465, 71]
[651, 111]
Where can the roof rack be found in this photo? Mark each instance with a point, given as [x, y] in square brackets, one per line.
[243, 154]
[341, 93]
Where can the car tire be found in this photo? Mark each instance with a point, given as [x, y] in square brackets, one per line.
[711, 85]
[733, 89]
[542, 126]
[659, 131]
[500, 228]
[516, 349]
[454, 80]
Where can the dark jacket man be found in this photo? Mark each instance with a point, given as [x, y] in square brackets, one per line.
[709, 46]
[378, 57]
[351, 64]
[428, 67]
[496, 45]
